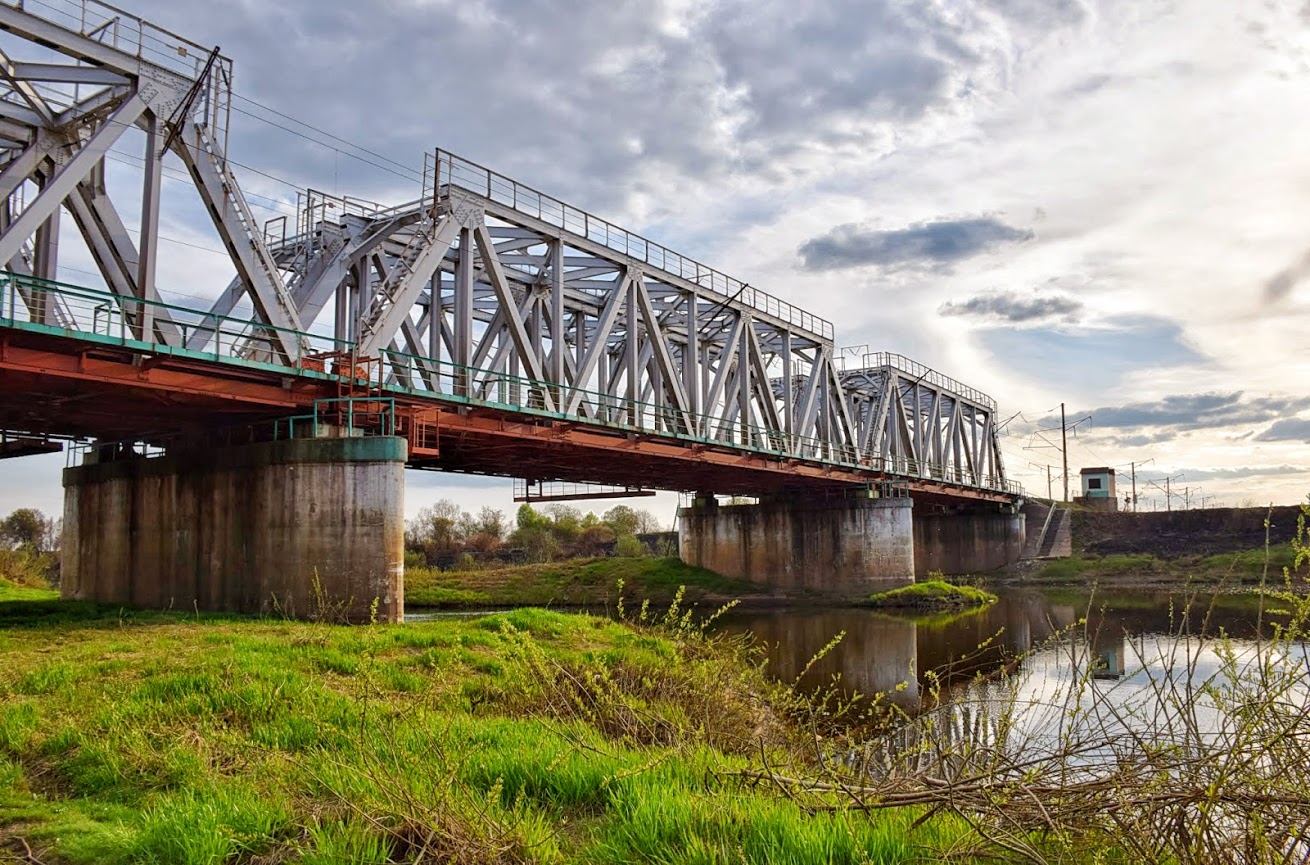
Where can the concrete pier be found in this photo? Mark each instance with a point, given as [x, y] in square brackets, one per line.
[303, 528]
[967, 542]
[842, 547]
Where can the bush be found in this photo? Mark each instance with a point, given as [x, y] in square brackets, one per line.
[26, 567]
[628, 546]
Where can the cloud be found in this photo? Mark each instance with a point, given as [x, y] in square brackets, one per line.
[1243, 472]
[1137, 440]
[936, 243]
[1201, 411]
[1013, 307]
[1280, 285]
[1100, 357]
[1287, 429]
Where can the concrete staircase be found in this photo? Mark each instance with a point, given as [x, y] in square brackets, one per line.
[1048, 531]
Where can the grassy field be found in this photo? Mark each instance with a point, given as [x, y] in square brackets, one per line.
[1244, 568]
[577, 582]
[933, 594]
[531, 736]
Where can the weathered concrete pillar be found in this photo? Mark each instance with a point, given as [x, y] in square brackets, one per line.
[843, 548]
[305, 528]
[968, 542]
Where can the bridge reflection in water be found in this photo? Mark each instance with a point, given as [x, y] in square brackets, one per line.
[881, 650]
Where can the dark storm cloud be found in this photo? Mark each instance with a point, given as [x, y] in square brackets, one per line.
[1014, 307]
[1198, 411]
[937, 243]
[1287, 429]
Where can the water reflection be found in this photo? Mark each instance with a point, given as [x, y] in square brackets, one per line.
[881, 650]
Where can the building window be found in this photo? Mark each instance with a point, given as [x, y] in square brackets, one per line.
[1093, 483]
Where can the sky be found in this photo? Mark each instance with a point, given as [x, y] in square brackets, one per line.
[1090, 202]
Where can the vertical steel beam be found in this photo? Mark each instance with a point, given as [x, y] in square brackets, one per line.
[148, 248]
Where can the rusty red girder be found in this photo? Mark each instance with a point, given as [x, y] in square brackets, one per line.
[60, 385]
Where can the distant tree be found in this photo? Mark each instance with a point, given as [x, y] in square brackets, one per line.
[436, 529]
[492, 522]
[28, 528]
[528, 518]
[622, 519]
[592, 540]
[648, 522]
[538, 543]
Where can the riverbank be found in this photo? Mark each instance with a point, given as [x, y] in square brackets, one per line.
[531, 736]
[1236, 571]
[575, 583]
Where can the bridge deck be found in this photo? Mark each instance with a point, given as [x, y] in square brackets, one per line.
[96, 382]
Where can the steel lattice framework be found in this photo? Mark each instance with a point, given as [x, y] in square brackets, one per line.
[481, 290]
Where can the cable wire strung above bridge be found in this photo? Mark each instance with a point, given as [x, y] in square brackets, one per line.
[538, 340]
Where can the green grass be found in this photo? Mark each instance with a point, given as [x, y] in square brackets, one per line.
[527, 736]
[11, 591]
[577, 582]
[1244, 567]
[930, 595]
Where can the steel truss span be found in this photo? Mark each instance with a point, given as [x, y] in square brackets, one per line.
[481, 293]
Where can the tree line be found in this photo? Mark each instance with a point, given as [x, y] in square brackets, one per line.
[29, 548]
[444, 535]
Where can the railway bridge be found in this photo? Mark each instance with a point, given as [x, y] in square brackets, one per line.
[251, 453]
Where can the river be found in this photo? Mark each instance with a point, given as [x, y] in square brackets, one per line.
[901, 654]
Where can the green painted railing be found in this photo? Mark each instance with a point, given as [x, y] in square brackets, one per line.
[29, 303]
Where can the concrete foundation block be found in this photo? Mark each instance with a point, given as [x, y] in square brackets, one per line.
[303, 528]
[845, 548]
[968, 542]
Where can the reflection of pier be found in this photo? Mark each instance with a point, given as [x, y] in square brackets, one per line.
[880, 651]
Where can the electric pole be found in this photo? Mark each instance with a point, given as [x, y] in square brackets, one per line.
[1167, 489]
[1064, 449]
[1134, 470]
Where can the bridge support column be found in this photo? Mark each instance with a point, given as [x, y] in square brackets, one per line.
[968, 541]
[845, 548]
[304, 528]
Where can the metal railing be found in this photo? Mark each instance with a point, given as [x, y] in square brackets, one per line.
[147, 43]
[448, 170]
[116, 320]
[919, 372]
[499, 390]
[122, 31]
[357, 415]
[113, 318]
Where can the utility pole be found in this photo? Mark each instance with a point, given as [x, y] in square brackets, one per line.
[1049, 497]
[1134, 470]
[1064, 449]
[1168, 491]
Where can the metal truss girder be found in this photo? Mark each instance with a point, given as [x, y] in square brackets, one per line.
[518, 331]
[69, 175]
[402, 286]
[62, 73]
[231, 216]
[499, 211]
[110, 245]
[74, 44]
